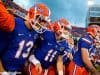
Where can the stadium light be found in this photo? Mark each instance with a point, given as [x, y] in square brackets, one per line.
[90, 2]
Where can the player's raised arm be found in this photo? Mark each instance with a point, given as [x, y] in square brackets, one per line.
[7, 22]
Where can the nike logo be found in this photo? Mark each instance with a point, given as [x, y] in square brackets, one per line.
[49, 44]
[20, 34]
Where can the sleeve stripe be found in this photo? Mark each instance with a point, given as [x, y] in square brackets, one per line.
[86, 40]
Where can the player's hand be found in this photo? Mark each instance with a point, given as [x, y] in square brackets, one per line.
[70, 56]
[39, 68]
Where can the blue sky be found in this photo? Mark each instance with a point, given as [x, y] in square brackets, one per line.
[73, 10]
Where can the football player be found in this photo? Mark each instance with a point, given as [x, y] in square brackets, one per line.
[18, 35]
[53, 44]
[81, 58]
[64, 59]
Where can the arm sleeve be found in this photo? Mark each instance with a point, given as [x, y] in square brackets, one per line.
[7, 22]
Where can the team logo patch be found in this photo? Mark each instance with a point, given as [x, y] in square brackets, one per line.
[62, 48]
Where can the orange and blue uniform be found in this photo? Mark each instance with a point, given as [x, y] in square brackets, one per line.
[48, 51]
[16, 41]
[77, 67]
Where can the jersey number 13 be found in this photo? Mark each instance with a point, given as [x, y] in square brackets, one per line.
[28, 45]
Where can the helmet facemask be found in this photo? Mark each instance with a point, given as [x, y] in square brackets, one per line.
[62, 28]
[39, 24]
[39, 17]
[93, 30]
[66, 32]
